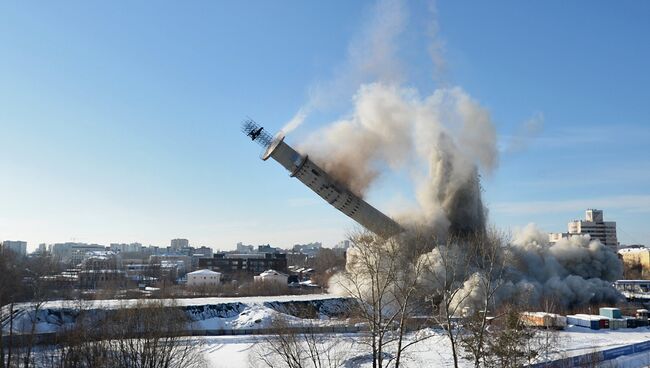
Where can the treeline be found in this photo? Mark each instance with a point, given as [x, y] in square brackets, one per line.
[146, 335]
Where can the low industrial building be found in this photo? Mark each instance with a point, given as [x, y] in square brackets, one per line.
[203, 278]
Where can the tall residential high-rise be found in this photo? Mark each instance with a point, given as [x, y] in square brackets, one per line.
[594, 226]
[16, 246]
[180, 243]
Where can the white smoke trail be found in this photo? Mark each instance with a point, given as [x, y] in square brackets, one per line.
[296, 121]
[530, 129]
[436, 45]
[372, 56]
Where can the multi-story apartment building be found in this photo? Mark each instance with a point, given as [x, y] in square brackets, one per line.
[17, 246]
[177, 244]
[594, 226]
[244, 264]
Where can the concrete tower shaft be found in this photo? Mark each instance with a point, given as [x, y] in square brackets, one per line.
[302, 168]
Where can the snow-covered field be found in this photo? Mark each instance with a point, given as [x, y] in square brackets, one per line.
[235, 352]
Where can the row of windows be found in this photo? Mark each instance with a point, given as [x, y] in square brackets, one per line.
[327, 192]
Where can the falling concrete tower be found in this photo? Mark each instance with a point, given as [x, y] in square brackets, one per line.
[302, 168]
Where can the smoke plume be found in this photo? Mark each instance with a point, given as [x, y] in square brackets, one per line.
[442, 139]
[445, 140]
[571, 273]
[575, 271]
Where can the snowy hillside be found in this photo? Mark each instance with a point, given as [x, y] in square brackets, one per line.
[205, 313]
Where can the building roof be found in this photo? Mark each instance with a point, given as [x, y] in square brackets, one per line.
[630, 282]
[272, 273]
[632, 250]
[204, 272]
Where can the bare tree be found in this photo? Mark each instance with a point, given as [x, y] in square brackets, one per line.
[148, 335]
[447, 268]
[11, 271]
[547, 340]
[264, 288]
[38, 298]
[326, 263]
[491, 333]
[204, 290]
[23, 280]
[370, 274]
[383, 275]
[508, 344]
[407, 290]
[298, 349]
[145, 335]
[490, 252]
[462, 277]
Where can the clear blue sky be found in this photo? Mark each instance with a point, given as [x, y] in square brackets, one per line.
[119, 121]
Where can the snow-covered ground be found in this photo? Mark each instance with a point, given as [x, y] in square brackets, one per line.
[580, 340]
[204, 313]
[235, 352]
[259, 316]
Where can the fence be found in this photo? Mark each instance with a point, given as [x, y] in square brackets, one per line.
[273, 331]
[595, 357]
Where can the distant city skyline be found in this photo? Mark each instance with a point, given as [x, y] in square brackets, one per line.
[119, 121]
[13, 243]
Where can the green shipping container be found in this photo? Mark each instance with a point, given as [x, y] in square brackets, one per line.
[610, 312]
